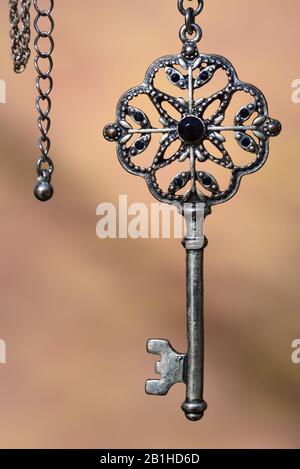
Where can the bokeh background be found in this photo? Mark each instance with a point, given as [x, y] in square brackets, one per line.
[76, 311]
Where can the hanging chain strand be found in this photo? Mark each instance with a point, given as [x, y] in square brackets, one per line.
[20, 36]
[43, 62]
[190, 27]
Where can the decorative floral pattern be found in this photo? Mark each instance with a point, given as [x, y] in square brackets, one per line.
[252, 128]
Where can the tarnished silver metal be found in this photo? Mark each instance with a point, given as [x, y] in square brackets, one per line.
[195, 28]
[44, 83]
[171, 367]
[201, 131]
[20, 36]
[187, 368]
[190, 27]
[194, 405]
[251, 118]
[43, 63]
[183, 10]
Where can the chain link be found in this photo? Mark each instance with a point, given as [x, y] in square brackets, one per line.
[20, 35]
[197, 11]
[190, 27]
[44, 83]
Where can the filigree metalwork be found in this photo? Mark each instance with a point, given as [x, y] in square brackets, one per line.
[190, 71]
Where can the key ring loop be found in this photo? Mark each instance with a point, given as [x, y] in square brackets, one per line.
[190, 20]
[195, 28]
[197, 11]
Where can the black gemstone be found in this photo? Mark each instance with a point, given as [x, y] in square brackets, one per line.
[204, 75]
[138, 116]
[191, 129]
[175, 78]
[207, 181]
[246, 142]
[178, 181]
[139, 145]
[244, 113]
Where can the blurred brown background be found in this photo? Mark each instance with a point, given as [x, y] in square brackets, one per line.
[76, 311]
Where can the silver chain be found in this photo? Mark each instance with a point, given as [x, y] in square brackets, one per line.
[43, 63]
[190, 28]
[20, 37]
[44, 85]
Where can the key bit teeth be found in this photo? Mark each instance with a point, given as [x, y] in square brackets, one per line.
[170, 367]
[158, 346]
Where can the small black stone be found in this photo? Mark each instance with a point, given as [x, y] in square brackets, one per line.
[204, 75]
[191, 129]
[245, 113]
[175, 78]
[178, 181]
[246, 142]
[139, 145]
[138, 116]
[207, 181]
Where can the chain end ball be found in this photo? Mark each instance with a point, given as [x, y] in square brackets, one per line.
[43, 189]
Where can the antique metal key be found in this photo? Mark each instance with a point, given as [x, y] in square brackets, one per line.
[202, 146]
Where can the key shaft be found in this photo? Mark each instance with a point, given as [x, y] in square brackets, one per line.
[194, 243]
[194, 405]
